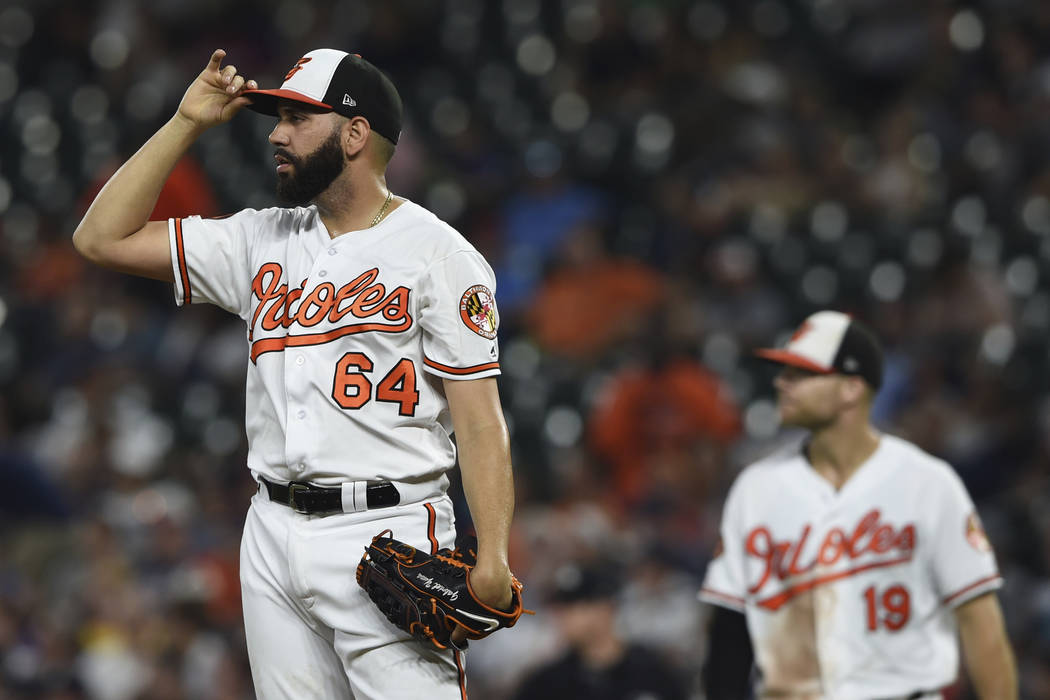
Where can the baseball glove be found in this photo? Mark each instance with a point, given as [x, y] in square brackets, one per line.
[429, 596]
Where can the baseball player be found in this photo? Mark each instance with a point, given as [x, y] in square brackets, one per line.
[854, 557]
[371, 330]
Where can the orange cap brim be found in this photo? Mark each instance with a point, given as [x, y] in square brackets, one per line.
[784, 357]
[265, 101]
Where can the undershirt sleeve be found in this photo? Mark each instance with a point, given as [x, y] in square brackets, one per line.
[727, 670]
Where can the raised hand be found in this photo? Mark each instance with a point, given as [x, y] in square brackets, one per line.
[216, 94]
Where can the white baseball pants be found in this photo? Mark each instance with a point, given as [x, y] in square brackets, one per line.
[312, 632]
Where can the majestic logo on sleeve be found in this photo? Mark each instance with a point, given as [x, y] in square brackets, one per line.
[362, 305]
[477, 308]
[872, 544]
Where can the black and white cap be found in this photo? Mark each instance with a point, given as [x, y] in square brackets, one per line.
[831, 342]
[342, 82]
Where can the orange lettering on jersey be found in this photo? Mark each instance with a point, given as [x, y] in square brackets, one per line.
[350, 291]
[363, 299]
[274, 316]
[832, 547]
[323, 303]
[793, 568]
[395, 306]
[293, 296]
[272, 291]
[760, 544]
[870, 537]
[366, 302]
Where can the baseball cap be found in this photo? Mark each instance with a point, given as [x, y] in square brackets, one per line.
[342, 82]
[829, 342]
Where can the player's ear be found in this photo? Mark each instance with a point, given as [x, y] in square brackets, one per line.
[355, 134]
[854, 389]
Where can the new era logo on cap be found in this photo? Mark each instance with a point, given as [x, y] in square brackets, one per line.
[831, 341]
[326, 78]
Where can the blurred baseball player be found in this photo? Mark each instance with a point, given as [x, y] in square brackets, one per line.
[372, 335]
[854, 557]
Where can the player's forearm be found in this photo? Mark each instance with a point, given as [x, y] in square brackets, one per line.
[992, 670]
[488, 483]
[989, 661]
[993, 673]
[484, 461]
[124, 204]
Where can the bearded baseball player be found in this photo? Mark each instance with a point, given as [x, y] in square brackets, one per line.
[371, 330]
[849, 563]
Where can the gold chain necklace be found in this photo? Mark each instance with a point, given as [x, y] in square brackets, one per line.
[382, 209]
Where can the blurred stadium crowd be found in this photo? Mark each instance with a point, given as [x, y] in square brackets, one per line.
[661, 186]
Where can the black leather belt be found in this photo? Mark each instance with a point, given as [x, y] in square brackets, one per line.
[309, 499]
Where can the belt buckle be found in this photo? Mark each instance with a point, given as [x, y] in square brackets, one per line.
[294, 488]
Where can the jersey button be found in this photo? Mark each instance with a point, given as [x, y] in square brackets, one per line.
[301, 414]
[322, 273]
[300, 360]
[331, 251]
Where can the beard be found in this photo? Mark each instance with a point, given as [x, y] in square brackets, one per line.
[312, 174]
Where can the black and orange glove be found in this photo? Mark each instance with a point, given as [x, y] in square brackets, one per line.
[429, 595]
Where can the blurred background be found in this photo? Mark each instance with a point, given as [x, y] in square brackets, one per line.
[661, 186]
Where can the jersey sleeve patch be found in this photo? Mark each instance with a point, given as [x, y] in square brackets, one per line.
[477, 308]
[975, 534]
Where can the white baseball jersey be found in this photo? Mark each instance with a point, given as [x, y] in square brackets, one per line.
[849, 594]
[348, 338]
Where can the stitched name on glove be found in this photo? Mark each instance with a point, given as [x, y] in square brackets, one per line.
[431, 585]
